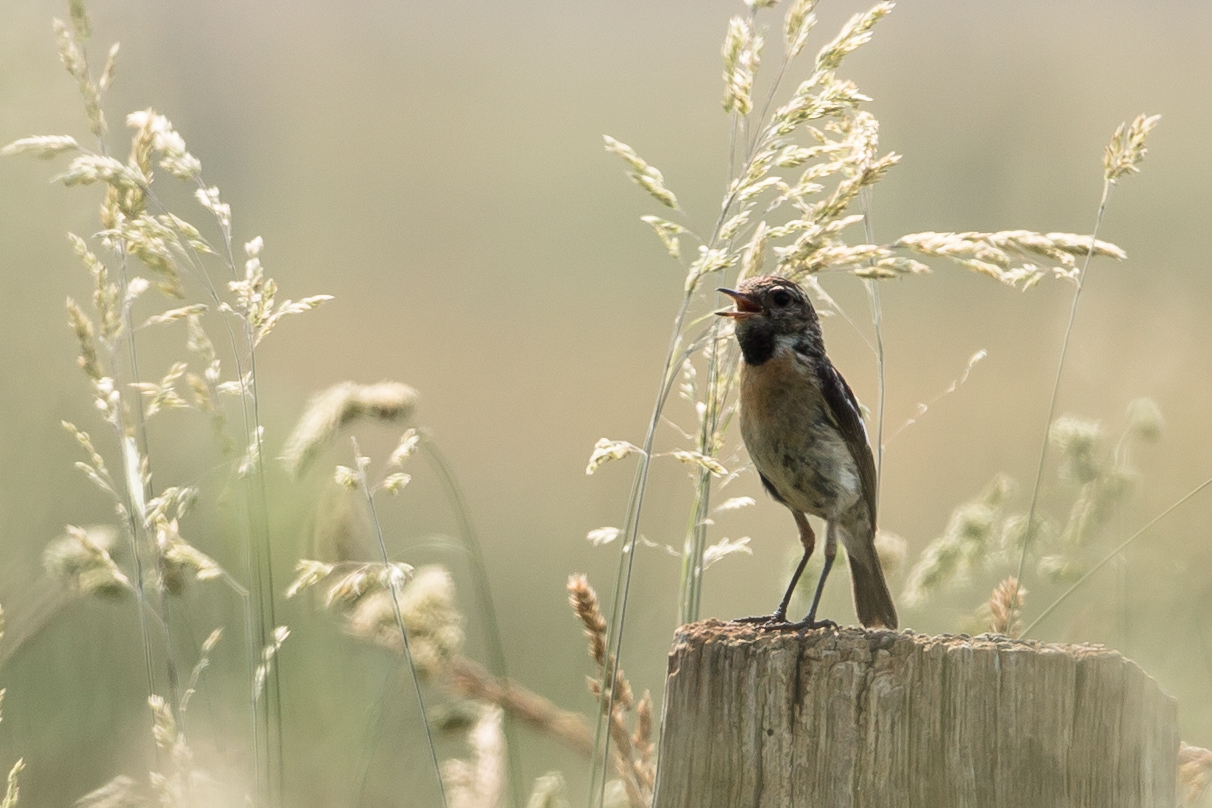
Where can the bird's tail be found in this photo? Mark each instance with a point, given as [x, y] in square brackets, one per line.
[872, 600]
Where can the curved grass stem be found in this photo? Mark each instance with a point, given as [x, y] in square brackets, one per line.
[488, 613]
[1114, 553]
[136, 525]
[877, 321]
[394, 589]
[1060, 367]
[630, 531]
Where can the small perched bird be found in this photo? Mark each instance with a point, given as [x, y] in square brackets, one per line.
[805, 434]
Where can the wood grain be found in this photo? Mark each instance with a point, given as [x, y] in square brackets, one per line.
[850, 717]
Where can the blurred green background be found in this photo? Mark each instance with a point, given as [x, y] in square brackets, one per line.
[438, 168]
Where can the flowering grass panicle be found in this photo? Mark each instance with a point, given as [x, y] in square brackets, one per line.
[634, 750]
[1004, 607]
[1194, 773]
[142, 244]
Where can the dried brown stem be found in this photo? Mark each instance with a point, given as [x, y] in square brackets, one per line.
[642, 740]
[584, 602]
[471, 680]
[632, 754]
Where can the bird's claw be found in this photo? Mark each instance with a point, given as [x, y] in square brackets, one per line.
[775, 620]
[779, 621]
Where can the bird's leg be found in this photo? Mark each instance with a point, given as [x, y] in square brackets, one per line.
[830, 551]
[808, 540]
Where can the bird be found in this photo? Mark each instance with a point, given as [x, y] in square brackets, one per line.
[804, 431]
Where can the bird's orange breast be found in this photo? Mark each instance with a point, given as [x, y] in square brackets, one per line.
[793, 438]
[778, 395]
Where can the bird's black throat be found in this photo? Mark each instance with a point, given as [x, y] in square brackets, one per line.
[757, 339]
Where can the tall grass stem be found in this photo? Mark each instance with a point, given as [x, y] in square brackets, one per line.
[488, 613]
[394, 589]
[1060, 367]
[1122, 546]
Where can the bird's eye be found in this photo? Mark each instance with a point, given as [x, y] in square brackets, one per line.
[781, 298]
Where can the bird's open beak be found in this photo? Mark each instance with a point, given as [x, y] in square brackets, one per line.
[746, 306]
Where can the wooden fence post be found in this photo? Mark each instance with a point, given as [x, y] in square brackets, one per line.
[848, 717]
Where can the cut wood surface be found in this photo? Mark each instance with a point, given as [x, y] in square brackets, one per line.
[849, 717]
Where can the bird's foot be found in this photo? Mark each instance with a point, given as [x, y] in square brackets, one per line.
[808, 624]
[776, 620]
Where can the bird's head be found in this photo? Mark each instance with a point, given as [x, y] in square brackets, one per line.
[772, 312]
[771, 304]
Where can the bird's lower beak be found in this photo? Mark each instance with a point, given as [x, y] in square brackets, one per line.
[746, 306]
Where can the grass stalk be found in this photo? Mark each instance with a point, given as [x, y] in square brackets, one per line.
[630, 532]
[691, 586]
[135, 521]
[269, 760]
[394, 590]
[488, 613]
[1122, 546]
[374, 729]
[691, 569]
[1121, 158]
[1080, 282]
[263, 589]
[259, 624]
[877, 321]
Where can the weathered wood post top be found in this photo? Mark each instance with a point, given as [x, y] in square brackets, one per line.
[850, 717]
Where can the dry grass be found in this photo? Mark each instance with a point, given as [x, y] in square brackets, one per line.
[801, 170]
[1005, 606]
[138, 235]
[1194, 773]
[634, 749]
[340, 406]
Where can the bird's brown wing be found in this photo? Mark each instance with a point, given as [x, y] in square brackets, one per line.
[849, 419]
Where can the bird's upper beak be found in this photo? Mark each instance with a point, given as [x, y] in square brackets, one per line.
[746, 305]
